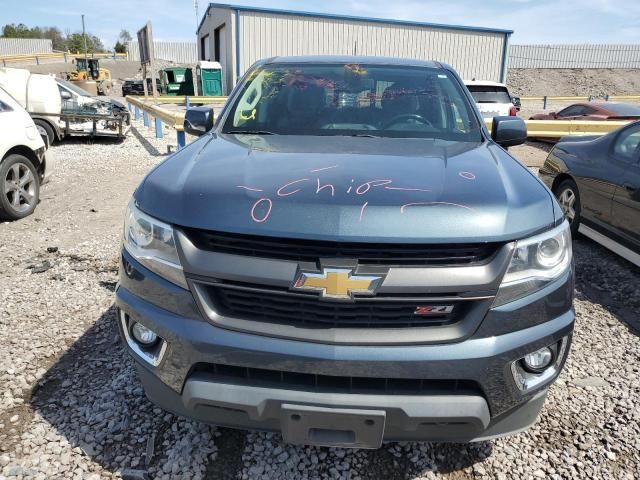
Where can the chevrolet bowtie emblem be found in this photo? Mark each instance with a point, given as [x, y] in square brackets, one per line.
[336, 283]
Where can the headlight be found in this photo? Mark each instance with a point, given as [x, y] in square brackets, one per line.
[31, 132]
[151, 242]
[536, 262]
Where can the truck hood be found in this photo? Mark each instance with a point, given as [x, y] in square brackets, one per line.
[348, 189]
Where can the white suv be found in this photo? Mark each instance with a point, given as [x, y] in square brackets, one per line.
[24, 161]
[492, 98]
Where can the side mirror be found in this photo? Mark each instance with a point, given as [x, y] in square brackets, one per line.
[65, 95]
[508, 131]
[198, 120]
[517, 103]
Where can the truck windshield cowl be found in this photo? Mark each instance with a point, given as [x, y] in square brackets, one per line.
[353, 100]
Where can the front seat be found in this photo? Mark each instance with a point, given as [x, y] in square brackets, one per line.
[304, 104]
[398, 99]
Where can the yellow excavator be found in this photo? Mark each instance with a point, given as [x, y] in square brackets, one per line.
[89, 69]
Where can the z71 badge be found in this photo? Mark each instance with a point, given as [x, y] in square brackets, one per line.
[433, 310]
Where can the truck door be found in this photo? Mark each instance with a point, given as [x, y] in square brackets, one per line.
[625, 215]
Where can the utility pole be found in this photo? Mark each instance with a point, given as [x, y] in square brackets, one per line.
[152, 53]
[195, 5]
[84, 37]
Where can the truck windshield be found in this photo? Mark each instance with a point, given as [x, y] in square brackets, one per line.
[352, 100]
[5, 94]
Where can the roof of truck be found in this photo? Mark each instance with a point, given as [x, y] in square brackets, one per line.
[484, 83]
[369, 60]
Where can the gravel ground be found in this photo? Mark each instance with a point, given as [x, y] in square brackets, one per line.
[573, 81]
[71, 406]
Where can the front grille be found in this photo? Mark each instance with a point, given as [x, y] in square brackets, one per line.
[262, 377]
[308, 311]
[366, 253]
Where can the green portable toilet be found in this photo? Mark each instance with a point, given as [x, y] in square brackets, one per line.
[177, 81]
[209, 78]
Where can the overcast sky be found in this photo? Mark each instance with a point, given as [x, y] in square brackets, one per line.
[534, 21]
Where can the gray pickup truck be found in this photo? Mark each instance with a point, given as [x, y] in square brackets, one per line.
[348, 256]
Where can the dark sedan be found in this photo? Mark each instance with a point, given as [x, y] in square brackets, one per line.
[136, 87]
[597, 183]
[593, 111]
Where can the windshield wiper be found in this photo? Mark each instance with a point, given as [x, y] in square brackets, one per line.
[366, 135]
[250, 132]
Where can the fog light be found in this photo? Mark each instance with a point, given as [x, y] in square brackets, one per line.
[538, 360]
[143, 335]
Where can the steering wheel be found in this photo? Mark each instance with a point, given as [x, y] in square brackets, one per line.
[407, 116]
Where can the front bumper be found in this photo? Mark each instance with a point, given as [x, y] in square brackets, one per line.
[493, 406]
[441, 418]
[50, 162]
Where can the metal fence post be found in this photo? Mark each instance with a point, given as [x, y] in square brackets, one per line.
[187, 103]
[158, 123]
[137, 113]
[37, 60]
[182, 140]
[145, 118]
[544, 102]
[606, 97]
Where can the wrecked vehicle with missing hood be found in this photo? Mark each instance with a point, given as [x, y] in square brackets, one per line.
[60, 108]
[82, 109]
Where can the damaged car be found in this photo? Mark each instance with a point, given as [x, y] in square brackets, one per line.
[59, 108]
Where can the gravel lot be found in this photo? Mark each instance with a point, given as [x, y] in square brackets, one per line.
[71, 406]
[573, 81]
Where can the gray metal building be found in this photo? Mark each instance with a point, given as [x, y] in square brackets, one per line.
[237, 36]
[25, 46]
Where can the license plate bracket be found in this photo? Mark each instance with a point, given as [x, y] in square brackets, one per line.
[333, 427]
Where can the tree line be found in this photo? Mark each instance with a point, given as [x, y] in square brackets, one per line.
[72, 42]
